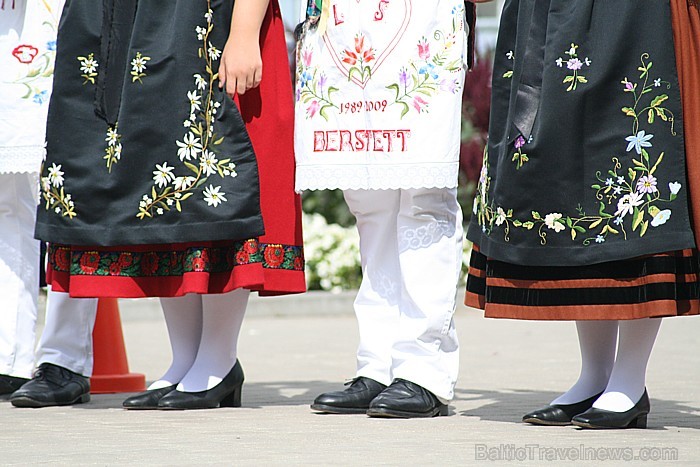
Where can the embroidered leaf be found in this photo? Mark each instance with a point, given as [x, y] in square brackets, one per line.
[192, 167]
[629, 111]
[395, 87]
[508, 74]
[658, 161]
[596, 187]
[184, 197]
[645, 226]
[579, 228]
[573, 234]
[528, 225]
[653, 211]
[569, 224]
[219, 141]
[595, 223]
[645, 154]
[650, 119]
[582, 79]
[637, 218]
[536, 215]
[517, 223]
[658, 100]
[638, 163]
[568, 79]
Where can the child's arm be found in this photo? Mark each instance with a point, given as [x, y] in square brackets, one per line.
[241, 65]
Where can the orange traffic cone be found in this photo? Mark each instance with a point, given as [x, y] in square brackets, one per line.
[110, 370]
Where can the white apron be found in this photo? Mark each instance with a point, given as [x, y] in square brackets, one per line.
[27, 52]
[378, 96]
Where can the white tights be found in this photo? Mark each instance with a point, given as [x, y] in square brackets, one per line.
[203, 332]
[622, 377]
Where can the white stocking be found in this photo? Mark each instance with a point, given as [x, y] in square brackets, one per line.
[183, 317]
[222, 317]
[597, 340]
[628, 378]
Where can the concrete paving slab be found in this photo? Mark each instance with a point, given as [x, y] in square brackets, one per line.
[507, 369]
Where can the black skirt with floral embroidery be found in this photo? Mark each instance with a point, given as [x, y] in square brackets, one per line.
[143, 147]
[582, 208]
[156, 183]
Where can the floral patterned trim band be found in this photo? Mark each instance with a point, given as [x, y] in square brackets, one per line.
[175, 263]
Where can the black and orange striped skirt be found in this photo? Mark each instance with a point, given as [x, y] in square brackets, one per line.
[659, 285]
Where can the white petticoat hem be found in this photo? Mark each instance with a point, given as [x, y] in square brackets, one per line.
[376, 177]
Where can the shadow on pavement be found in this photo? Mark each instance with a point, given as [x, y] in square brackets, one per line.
[509, 407]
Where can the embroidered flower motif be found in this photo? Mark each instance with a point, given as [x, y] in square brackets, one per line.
[138, 67]
[113, 151]
[553, 221]
[647, 184]
[639, 141]
[632, 188]
[574, 64]
[214, 196]
[197, 149]
[661, 218]
[25, 53]
[434, 70]
[88, 65]
[163, 174]
[54, 193]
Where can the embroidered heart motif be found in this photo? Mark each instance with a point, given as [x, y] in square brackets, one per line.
[386, 26]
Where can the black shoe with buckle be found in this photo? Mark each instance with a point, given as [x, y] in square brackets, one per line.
[354, 399]
[404, 399]
[52, 385]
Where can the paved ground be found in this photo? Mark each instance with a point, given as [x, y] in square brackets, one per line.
[290, 354]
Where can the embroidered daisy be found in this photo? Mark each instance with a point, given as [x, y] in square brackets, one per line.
[163, 174]
[190, 147]
[213, 196]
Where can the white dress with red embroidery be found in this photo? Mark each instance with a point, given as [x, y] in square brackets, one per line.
[378, 95]
[27, 52]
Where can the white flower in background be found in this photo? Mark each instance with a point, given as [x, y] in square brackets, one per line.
[163, 174]
[56, 175]
[552, 221]
[190, 147]
[214, 196]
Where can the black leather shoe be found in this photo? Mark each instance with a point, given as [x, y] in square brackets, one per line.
[9, 384]
[52, 385]
[404, 399]
[559, 414]
[636, 417]
[354, 399]
[225, 394]
[147, 400]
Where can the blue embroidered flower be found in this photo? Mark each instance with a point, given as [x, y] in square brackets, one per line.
[41, 97]
[641, 140]
[51, 45]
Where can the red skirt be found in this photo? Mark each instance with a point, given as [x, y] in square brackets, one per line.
[271, 264]
[661, 285]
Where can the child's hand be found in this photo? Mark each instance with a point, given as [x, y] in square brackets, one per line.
[241, 65]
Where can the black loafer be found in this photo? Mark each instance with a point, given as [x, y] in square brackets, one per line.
[404, 399]
[52, 385]
[559, 414]
[147, 400]
[636, 417]
[9, 384]
[354, 399]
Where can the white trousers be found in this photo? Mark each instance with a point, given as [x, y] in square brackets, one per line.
[411, 250]
[19, 273]
[67, 337]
